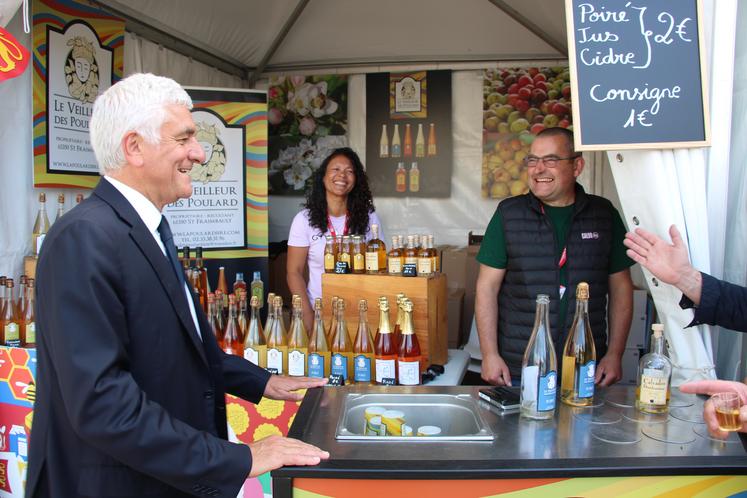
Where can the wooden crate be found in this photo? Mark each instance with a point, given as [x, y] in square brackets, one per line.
[428, 296]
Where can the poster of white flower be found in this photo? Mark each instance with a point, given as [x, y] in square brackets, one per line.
[307, 119]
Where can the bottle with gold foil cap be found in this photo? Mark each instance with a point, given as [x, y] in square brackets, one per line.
[319, 354]
[579, 355]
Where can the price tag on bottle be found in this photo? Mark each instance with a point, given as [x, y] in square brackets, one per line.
[409, 270]
[336, 380]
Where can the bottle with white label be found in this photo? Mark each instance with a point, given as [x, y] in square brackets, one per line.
[579, 355]
[298, 341]
[277, 342]
[539, 375]
[408, 358]
[654, 376]
[385, 349]
[255, 346]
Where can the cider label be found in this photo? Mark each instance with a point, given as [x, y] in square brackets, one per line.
[31, 333]
[362, 368]
[296, 363]
[275, 360]
[395, 265]
[384, 370]
[340, 365]
[424, 266]
[12, 335]
[586, 380]
[251, 355]
[409, 372]
[653, 388]
[372, 261]
[329, 262]
[316, 365]
[359, 262]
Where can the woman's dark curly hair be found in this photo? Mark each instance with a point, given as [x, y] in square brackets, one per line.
[360, 201]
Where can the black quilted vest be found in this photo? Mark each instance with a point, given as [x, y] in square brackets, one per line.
[533, 269]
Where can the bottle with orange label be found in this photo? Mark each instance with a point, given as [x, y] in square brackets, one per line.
[400, 177]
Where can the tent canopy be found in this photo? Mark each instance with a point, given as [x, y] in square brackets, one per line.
[243, 36]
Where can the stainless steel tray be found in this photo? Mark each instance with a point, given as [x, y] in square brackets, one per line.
[457, 415]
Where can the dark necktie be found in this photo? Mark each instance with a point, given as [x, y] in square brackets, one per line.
[168, 241]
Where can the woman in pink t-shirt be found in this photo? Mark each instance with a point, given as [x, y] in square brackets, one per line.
[339, 202]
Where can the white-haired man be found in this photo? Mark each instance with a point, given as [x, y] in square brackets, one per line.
[131, 382]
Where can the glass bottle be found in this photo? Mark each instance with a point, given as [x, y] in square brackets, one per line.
[363, 347]
[408, 356]
[425, 259]
[375, 252]
[298, 341]
[204, 283]
[385, 348]
[60, 206]
[342, 350]
[222, 285]
[414, 176]
[384, 142]
[319, 354]
[344, 255]
[239, 283]
[579, 355]
[420, 142]
[270, 314]
[653, 387]
[10, 322]
[359, 258]
[432, 140]
[436, 265]
[28, 319]
[539, 367]
[220, 316]
[397, 332]
[396, 150]
[41, 226]
[411, 252]
[20, 303]
[257, 287]
[186, 259]
[400, 178]
[277, 342]
[394, 258]
[255, 346]
[242, 315]
[329, 254]
[332, 321]
[78, 199]
[232, 340]
[212, 316]
[407, 149]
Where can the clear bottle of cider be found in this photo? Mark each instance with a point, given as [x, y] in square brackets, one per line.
[342, 350]
[332, 321]
[425, 259]
[60, 206]
[329, 254]
[397, 332]
[319, 354]
[298, 342]
[579, 355]
[385, 347]
[411, 252]
[394, 258]
[28, 319]
[375, 252]
[359, 255]
[270, 314]
[277, 342]
[539, 377]
[10, 321]
[363, 347]
[408, 356]
[255, 346]
[653, 387]
[41, 225]
[344, 254]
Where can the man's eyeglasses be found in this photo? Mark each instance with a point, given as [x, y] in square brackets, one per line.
[550, 161]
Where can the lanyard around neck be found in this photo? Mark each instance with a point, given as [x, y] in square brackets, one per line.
[332, 228]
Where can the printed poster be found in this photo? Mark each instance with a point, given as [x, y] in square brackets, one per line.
[78, 51]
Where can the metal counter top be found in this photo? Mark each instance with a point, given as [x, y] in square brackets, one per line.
[611, 438]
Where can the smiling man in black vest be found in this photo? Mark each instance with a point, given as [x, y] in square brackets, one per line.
[546, 242]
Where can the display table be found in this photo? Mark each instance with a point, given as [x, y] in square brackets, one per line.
[608, 450]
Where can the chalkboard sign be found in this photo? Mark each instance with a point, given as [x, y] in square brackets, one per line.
[637, 74]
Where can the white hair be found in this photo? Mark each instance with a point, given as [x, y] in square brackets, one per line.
[136, 103]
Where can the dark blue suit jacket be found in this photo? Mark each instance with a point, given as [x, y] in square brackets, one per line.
[130, 402]
[721, 303]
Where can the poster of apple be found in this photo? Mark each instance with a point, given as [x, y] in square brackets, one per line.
[518, 103]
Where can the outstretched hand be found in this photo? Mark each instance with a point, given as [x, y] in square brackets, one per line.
[667, 262]
[709, 411]
[274, 452]
[282, 387]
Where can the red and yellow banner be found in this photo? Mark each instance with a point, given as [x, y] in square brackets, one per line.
[14, 57]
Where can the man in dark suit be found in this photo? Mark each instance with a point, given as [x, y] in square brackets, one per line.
[131, 382]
